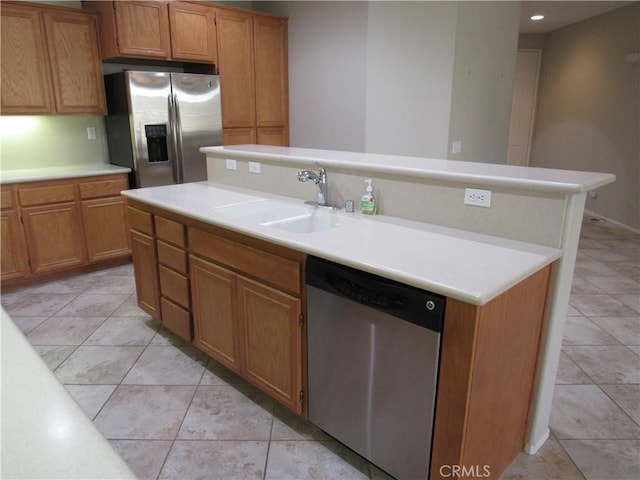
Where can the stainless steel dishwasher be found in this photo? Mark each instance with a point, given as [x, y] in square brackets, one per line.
[373, 353]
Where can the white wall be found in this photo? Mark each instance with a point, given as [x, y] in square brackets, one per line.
[588, 115]
[483, 75]
[409, 80]
[382, 77]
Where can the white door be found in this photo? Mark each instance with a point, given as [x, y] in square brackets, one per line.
[523, 107]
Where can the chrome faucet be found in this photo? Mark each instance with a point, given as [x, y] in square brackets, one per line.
[320, 179]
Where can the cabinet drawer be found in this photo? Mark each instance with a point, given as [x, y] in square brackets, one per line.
[44, 195]
[275, 270]
[176, 319]
[6, 199]
[141, 221]
[170, 231]
[174, 286]
[173, 257]
[104, 188]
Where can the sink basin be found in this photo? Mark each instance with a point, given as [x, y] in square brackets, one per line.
[313, 222]
[263, 211]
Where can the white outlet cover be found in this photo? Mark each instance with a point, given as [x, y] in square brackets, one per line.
[456, 147]
[91, 133]
[477, 197]
[231, 164]
[254, 167]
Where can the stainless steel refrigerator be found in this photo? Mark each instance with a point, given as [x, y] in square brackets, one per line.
[157, 122]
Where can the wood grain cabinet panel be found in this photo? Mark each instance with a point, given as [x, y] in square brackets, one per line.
[54, 236]
[214, 302]
[176, 319]
[193, 32]
[237, 78]
[145, 266]
[76, 69]
[25, 61]
[141, 29]
[272, 335]
[105, 228]
[239, 136]
[50, 61]
[13, 249]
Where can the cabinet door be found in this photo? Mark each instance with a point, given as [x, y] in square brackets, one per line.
[239, 136]
[14, 251]
[105, 228]
[76, 67]
[270, 40]
[145, 265]
[272, 335]
[142, 29]
[54, 237]
[235, 56]
[25, 64]
[273, 136]
[193, 32]
[214, 297]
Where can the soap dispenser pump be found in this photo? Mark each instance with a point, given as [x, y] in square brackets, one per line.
[369, 203]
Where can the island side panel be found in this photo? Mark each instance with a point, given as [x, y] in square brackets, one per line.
[487, 369]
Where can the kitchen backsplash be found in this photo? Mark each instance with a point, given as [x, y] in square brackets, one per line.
[51, 141]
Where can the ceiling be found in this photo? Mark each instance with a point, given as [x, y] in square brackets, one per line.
[561, 13]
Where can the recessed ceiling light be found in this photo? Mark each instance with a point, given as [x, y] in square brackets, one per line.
[537, 17]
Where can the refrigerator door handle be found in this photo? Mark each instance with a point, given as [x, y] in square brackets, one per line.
[178, 137]
[173, 129]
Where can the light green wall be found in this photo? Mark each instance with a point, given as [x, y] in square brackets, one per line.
[51, 141]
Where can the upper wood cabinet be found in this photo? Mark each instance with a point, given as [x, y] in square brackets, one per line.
[237, 78]
[163, 30]
[50, 61]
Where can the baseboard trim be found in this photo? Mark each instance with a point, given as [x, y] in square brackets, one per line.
[532, 448]
[589, 213]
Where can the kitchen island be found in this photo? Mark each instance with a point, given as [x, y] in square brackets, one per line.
[505, 271]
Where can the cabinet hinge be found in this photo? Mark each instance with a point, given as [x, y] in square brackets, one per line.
[301, 396]
[301, 319]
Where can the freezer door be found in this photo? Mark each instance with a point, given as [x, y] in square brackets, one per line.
[198, 119]
[154, 160]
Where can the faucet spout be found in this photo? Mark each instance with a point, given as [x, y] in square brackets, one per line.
[319, 179]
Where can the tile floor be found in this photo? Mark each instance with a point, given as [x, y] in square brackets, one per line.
[172, 413]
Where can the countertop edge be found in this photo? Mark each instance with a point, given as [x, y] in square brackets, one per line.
[477, 298]
[589, 180]
[59, 173]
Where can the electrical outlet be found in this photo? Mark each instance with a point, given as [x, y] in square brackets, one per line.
[91, 133]
[456, 147]
[477, 198]
[254, 167]
[231, 164]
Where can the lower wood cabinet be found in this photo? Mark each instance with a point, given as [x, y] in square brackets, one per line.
[57, 225]
[54, 237]
[145, 266]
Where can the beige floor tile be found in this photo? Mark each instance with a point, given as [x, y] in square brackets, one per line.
[98, 365]
[569, 373]
[634, 348]
[631, 301]
[130, 308]
[600, 306]
[27, 324]
[225, 413]
[551, 462]
[627, 397]
[54, 355]
[582, 331]
[615, 285]
[88, 304]
[628, 269]
[580, 286]
[144, 457]
[300, 460]
[167, 365]
[124, 331]
[605, 459]
[212, 460]
[110, 284]
[289, 426]
[64, 330]
[625, 329]
[606, 255]
[588, 266]
[585, 411]
[152, 412]
[75, 285]
[91, 398]
[606, 364]
[216, 374]
[38, 304]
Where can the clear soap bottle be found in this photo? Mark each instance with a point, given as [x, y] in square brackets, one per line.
[369, 202]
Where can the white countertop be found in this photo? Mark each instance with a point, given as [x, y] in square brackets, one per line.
[542, 179]
[45, 434]
[471, 267]
[54, 173]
